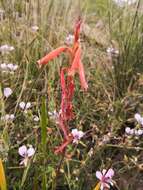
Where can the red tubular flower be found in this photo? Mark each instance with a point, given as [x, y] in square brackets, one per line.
[53, 54]
[67, 83]
[78, 66]
[75, 64]
[63, 146]
[82, 76]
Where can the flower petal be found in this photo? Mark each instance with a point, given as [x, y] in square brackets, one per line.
[53, 54]
[138, 118]
[22, 105]
[102, 186]
[36, 118]
[82, 76]
[75, 63]
[74, 132]
[99, 175]
[104, 171]
[106, 185]
[11, 116]
[110, 173]
[81, 134]
[30, 151]
[78, 66]
[7, 92]
[127, 130]
[28, 105]
[22, 151]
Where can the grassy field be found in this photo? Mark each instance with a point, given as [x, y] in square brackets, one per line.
[108, 113]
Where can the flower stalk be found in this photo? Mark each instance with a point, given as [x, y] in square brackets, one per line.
[67, 83]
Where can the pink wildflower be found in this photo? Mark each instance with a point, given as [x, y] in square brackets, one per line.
[26, 154]
[105, 178]
[77, 135]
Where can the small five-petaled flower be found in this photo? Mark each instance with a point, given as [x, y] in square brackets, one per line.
[105, 178]
[77, 135]
[26, 153]
[7, 92]
[134, 131]
[139, 119]
[25, 106]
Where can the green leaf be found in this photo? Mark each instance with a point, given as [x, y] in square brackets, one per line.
[44, 140]
[44, 181]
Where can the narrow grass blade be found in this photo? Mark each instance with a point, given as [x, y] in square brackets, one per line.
[44, 182]
[3, 185]
[43, 125]
[1, 101]
[44, 140]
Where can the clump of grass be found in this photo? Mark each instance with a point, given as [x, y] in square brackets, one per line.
[126, 29]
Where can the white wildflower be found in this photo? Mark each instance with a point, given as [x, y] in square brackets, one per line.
[122, 3]
[3, 66]
[35, 28]
[7, 92]
[138, 132]
[77, 135]
[69, 39]
[111, 51]
[28, 105]
[8, 117]
[138, 118]
[129, 131]
[6, 48]
[36, 118]
[15, 67]
[54, 115]
[8, 67]
[26, 153]
[24, 106]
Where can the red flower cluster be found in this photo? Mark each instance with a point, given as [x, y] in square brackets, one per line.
[67, 83]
